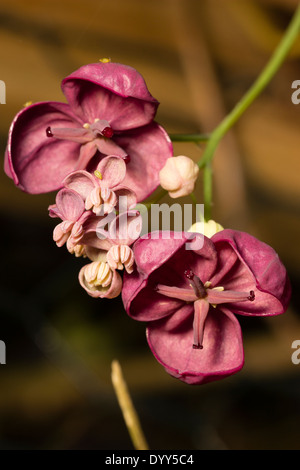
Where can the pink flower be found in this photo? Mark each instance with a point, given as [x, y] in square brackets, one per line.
[98, 278]
[102, 191]
[70, 208]
[110, 252]
[190, 299]
[109, 112]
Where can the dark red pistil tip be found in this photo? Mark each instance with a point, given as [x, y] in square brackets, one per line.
[251, 296]
[126, 158]
[197, 346]
[49, 132]
[107, 132]
[189, 274]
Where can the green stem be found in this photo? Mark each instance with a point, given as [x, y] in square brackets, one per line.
[258, 86]
[193, 198]
[207, 191]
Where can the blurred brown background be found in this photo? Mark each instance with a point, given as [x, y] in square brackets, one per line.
[198, 58]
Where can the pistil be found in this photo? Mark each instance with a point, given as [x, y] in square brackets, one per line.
[196, 284]
[203, 296]
[83, 134]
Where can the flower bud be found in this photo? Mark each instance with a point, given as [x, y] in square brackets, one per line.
[179, 176]
[208, 229]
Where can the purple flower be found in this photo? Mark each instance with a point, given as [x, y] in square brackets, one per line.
[70, 208]
[109, 250]
[98, 278]
[109, 112]
[190, 299]
[103, 190]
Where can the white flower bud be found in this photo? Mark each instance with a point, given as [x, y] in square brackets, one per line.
[208, 229]
[179, 176]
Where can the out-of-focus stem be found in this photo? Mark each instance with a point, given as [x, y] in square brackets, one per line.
[258, 86]
[129, 413]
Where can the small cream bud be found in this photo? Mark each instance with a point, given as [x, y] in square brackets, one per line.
[179, 176]
[208, 229]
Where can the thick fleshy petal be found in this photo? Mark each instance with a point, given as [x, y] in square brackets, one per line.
[80, 181]
[126, 199]
[125, 228]
[114, 92]
[247, 264]
[152, 251]
[148, 149]
[162, 261]
[113, 170]
[171, 341]
[38, 163]
[95, 235]
[69, 204]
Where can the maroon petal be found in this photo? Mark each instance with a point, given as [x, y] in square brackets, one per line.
[112, 92]
[148, 148]
[246, 263]
[163, 261]
[171, 341]
[38, 163]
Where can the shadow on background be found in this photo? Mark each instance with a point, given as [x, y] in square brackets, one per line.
[198, 58]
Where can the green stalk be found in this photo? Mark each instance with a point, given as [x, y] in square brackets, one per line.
[258, 86]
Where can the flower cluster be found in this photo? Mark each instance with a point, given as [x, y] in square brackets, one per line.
[103, 153]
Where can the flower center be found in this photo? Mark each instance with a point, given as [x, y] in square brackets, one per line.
[203, 296]
[196, 284]
[98, 274]
[86, 133]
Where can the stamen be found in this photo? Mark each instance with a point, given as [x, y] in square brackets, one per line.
[120, 256]
[176, 292]
[98, 174]
[216, 296]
